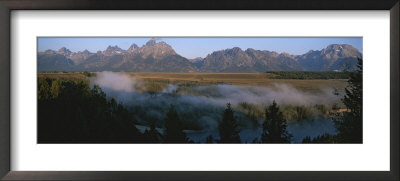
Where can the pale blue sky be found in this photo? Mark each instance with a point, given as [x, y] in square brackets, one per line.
[191, 47]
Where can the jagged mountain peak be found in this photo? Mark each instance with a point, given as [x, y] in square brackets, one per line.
[156, 50]
[112, 50]
[236, 49]
[333, 57]
[228, 52]
[257, 53]
[335, 46]
[151, 42]
[344, 50]
[233, 49]
[335, 49]
[250, 60]
[250, 50]
[48, 52]
[339, 46]
[287, 55]
[64, 51]
[133, 47]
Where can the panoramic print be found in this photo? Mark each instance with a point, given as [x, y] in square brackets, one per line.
[191, 90]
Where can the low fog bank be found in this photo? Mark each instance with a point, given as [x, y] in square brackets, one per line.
[283, 94]
[202, 107]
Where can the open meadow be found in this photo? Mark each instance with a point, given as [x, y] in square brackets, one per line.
[162, 80]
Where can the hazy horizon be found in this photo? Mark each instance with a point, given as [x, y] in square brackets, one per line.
[193, 47]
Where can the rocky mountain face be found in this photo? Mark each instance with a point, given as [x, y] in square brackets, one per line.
[198, 62]
[333, 57]
[152, 57]
[237, 60]
[161, 57]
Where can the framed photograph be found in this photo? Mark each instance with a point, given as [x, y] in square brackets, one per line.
[180, 90]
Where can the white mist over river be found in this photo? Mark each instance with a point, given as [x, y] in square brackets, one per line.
[201, 110]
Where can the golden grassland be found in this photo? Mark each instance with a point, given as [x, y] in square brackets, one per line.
[247, 79]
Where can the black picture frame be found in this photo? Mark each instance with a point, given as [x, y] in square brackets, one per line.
[6, 6]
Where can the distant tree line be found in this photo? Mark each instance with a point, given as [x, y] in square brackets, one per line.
[86, 73]
[309, 75]
[63, 71]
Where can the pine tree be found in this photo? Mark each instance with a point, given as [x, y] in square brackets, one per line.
[325, 138]
[44, 89]
[349, 124]
[152, 135]
[307, 139]
[228, 128]
[174, 129]
[274, 126]
[210, 139]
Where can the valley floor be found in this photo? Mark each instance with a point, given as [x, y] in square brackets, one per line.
[248, 79]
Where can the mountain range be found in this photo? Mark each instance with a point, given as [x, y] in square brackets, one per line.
[161, 57]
